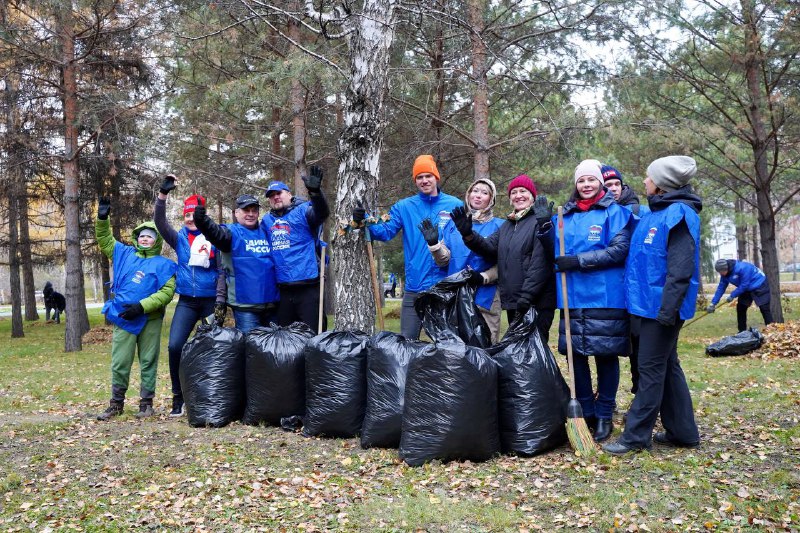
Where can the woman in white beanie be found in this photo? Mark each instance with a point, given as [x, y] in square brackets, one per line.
[661, 283]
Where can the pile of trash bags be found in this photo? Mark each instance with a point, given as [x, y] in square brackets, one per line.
[742, 343]
[458, 398]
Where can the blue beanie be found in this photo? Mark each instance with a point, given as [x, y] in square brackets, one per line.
[611, 173]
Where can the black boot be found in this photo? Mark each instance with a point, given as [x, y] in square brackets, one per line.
[145, 408]
[603, 429]
[114, 409]
[591, 422]
[177, 406]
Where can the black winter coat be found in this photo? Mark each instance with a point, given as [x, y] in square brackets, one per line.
[523, 266]
[629, 199]
[599, 331]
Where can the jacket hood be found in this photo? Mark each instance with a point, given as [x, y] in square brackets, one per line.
[294, 202]
[684, 195]
[602, 203]
[48, 288]
[484, 215]
[153, 250]
[628, 196]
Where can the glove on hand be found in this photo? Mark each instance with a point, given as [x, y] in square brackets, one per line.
[523, 304]
[313, 181]
[168, 184]
[103, 208]
[132, 311]
[729, 299]
[220, 310]
[359, 214]
[199, 213]
[542, 211]
[475, 279]
[711, 308]
[429, 232]
[567, 262]
[462, 220]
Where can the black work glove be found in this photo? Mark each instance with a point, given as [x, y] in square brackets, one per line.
[103, 208]
[462, 220]
[200, 214]
[220, 310]
[168, 184]
[523, 304]
[132, 311]
[711, 308]
[359, 214]
[429, 232]
[542, 211]
[475, 279]
[313, 181]
[567, 262]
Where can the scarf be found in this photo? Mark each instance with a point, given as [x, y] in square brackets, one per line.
[584, 205]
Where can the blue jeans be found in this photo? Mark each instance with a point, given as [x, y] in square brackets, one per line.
[247, 319]
[188, 311]
[607, 383]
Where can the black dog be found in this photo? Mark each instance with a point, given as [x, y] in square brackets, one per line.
[55, 301]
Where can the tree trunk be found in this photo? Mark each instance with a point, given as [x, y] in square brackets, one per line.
[480, 104]
[277, 169]
[760, 143]
[741, 230]
[28, 284]
[13, 263]
[359, 150]
[76, 317]
[297, 96]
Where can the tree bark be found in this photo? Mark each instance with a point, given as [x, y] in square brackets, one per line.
[480, 104]
[359, 150]
[76, 317]
[13, 264]
[28, 284]
[297, 97]
[741, 230]
[277, 169]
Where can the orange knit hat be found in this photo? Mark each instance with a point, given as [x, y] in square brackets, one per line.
[425, 163]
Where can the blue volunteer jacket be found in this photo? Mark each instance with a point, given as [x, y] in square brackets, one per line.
[462, 257]
[294, 244]
[194, 281]
[253, 265]
[421, 271]
[744, 276]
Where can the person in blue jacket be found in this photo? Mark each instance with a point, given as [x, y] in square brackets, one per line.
[597, 233]
[751, 285]
[196, 279]
[294, 226]
[450, 252]
[421, 271]
[247, 260]
[662, 278]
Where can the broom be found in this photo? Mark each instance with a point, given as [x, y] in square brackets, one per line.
[577, 431]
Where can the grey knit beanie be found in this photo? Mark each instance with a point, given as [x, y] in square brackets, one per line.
[672, 172]
[721, 265]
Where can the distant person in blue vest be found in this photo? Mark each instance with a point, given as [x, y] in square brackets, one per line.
[294, 226]
[247, 260]
[421, 271]
[143, 285]
[524, 266]
[626, 197]
[597, 235]
[662, 277]
[751, 285]
[392, 290]
[196, 279]
[451, 253]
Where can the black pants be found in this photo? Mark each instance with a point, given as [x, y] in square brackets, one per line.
[662, 390]
[762, 298]
[544, 319]
[636, 324]
[300, 303]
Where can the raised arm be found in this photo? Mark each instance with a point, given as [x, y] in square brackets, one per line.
[219, 236]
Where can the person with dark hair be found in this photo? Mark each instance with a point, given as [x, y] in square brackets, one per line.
[247, 261]
[294, 226]
[143, 286]
[662, 279]
[751, 286]
[196, 278]
[421, 272]
[524, 267]
[54, 301]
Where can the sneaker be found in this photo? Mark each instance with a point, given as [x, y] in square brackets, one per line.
[145, 410]
[177, 408]
[114, 409]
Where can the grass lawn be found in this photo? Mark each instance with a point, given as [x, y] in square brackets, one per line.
[60, 469]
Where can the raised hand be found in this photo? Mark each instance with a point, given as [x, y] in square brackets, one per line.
[313, 181]
[168, 184]
[462, 220]
[103, 208]
[429, 232]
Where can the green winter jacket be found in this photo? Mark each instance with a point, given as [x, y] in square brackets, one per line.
[154, 304]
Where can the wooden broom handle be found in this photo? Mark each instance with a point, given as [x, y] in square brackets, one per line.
[565, 302]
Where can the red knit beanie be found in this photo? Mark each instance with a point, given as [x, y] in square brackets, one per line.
[192, 202]
[522, 181]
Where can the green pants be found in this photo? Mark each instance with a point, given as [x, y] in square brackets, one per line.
[123, 349]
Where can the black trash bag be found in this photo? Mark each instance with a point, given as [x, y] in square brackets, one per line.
[532, 393]
[212, 376]
[450, 410]
[336, 384]
[275, 373]
[388, 357]
[448, 309]
[742, 343]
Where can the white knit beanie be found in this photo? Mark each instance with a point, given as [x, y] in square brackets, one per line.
[589, 167]
[672, 172]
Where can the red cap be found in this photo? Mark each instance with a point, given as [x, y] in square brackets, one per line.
[192, 202]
